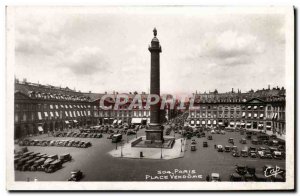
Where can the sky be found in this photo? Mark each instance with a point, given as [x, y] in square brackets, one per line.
[106, 49]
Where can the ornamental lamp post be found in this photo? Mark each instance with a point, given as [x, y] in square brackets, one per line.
[121, 150]
[181, 145]
[161, 151]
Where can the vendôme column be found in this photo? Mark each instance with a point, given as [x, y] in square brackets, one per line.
[155, 133]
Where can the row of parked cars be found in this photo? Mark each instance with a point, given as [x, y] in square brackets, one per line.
[250, 174]
[245, 173]
[253, 152]
[59, 143]
[76, 134]
[30, 161]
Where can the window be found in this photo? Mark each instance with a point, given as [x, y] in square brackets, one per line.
[32, 116]
[16, 117]
[40, 115]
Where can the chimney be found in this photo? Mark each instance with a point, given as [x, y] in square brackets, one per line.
[232, 90]
[269, 87]
[90, 92]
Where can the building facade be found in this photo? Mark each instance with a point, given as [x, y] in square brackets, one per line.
[136, 115]
[260, 110]
[43, 108]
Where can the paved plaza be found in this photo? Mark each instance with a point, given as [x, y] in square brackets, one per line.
[126, 151]
[97, 163]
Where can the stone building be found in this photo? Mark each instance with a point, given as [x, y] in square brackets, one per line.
[42, 108]
[259, 110]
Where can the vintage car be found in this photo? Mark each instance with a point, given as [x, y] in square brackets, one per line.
[243, 141]
[27, 165]
[235, 177]
[234, 148]
[227, 148]
[230, 140]
[236, 154]
[55, 156]
[193, 147]
[26, 154]
[212, 131]
[53, 166]
[254, 141]
[251, 170]
[220, 148]
[241, 169]
[205, 144]
[76, 175]
[47, 163]
[215, 177]
[252, 154]
[261, 154]
[277, 155]
[99, 135]
[37, 164]
[193, 141]
[65, 157]
[209, 137]
[244, 153]
[248, 177]
[21, 162]
[268, 155]
[261, 148]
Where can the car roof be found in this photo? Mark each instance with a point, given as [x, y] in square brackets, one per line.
[215, 175]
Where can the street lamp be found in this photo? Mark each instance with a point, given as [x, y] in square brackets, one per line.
[181, 145]
[121, 150]
[161, 150]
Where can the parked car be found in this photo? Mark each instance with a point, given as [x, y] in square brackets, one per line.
[236, 154]
[205, 144]
[65, 157]
[230, 140]
[243, 141]
[209, 137]
[234, 148]
[241, 169]
[254, 141]
[220, 148]
[215, 177]
[252, 154]
[54, 166]
[235, 177]
[76, 175]
[244, 153]
[37, 164]
[227, 149]
[193, 147]
[277, 155]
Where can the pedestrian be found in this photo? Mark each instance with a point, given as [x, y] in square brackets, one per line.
[215, 146]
